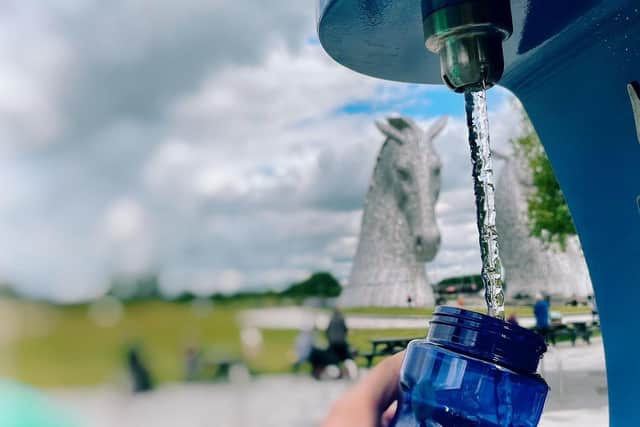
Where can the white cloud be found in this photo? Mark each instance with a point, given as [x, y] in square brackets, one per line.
[32, 63]
[203, 142]
[125, 220]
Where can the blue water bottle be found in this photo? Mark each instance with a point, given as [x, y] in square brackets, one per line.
[472, 370]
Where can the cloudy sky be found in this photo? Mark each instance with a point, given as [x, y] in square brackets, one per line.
[212, 142]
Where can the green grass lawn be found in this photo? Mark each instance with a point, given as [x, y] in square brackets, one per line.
[62, 346]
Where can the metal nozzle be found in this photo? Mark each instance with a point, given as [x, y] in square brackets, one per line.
[468, 37]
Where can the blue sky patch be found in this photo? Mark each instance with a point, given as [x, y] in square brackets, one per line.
[416, 101]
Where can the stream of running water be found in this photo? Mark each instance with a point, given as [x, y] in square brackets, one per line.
[478, 127]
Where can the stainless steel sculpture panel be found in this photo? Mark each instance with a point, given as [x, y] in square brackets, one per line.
[399, 233]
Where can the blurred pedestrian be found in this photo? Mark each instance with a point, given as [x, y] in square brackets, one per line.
[192, 363]
[337, 332]
[591, 301]
[140, 376]
[541, 312]
[304, 345]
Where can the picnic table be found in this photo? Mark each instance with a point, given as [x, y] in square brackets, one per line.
[573, 331]
[385, 347]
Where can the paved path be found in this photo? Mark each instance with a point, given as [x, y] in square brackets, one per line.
[575, 374]
[298, 318]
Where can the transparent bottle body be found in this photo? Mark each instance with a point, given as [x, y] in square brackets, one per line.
[440, 387]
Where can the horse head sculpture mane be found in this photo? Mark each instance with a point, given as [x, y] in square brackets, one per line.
[399, 231]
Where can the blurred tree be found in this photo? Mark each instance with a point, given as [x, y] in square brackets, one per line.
[133, 289]
[139, 288]
[470, 283]
[6, 290]
[470, 278]
[321, 284]
[549, 216]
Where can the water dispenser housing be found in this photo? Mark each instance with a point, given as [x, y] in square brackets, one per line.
[570, 63]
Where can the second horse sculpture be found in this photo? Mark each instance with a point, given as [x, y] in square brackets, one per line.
[530, 266]
[399, 233]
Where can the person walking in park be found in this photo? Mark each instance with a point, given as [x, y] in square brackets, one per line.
[541, 312]
[337, 332]
[140, 376]
[193, 361]
[304, 346]
[591, 301]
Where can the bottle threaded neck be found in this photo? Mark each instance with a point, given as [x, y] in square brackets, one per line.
[487, 338]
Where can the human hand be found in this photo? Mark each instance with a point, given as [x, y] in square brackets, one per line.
[371, 402]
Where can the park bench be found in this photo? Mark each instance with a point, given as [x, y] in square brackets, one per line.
[385, 347]
[219, 369]
[573, 331]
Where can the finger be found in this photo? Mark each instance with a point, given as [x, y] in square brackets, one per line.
[363, 404]
[380, 386]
